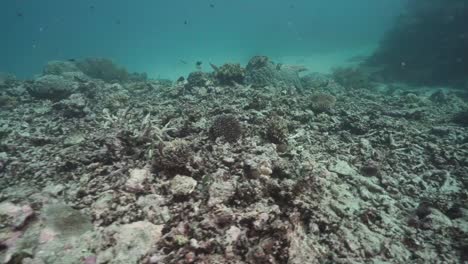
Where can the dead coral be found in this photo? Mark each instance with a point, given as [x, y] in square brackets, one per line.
[227, 127]
[74, 106]
[173, 156]
[277, 130]
[322, 102]
[198, 79]
[52, 87]
[261, 72]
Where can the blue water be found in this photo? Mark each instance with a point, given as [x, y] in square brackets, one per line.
[166, 38]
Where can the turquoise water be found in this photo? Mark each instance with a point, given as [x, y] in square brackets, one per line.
[166, 38]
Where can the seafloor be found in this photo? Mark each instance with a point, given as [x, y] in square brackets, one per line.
[241, 165]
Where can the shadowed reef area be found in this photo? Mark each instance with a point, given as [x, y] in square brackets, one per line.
[427, 46]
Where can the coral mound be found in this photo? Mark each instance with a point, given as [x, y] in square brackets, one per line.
[260, 72]
[229, 74]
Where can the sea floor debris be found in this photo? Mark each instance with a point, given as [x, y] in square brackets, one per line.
[144, 171]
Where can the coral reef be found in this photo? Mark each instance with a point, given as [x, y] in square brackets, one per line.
[74, 106]
[154, 172]
[322, 102]
[104, 69]
[198, 79]
[229, 74]
[260, 72]
[277, 130]
[52, 87]
[226, 126]
[173, 156]
[59, 68]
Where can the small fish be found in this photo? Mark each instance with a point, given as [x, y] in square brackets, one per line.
[71, 60]
[118, 22]
[91, 7]
[19, 14]
[198, 65]
[212, 5]
[185, 22]
[183, 62]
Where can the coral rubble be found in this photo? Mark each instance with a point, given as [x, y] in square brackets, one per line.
[110, 169]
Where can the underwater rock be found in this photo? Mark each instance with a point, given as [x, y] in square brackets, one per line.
[52, 87]
[227, 127]
[260, 72]
[173, 156]
[130, 242]
[139, 178]
[182, 185]
[342, 167]
[257, 168]
[50, 247]
[229, 74]
[14, 216]
[73, 107]
[74, 139]
[59, 67]
[154, 208]
[66, 221]
[220, 192]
